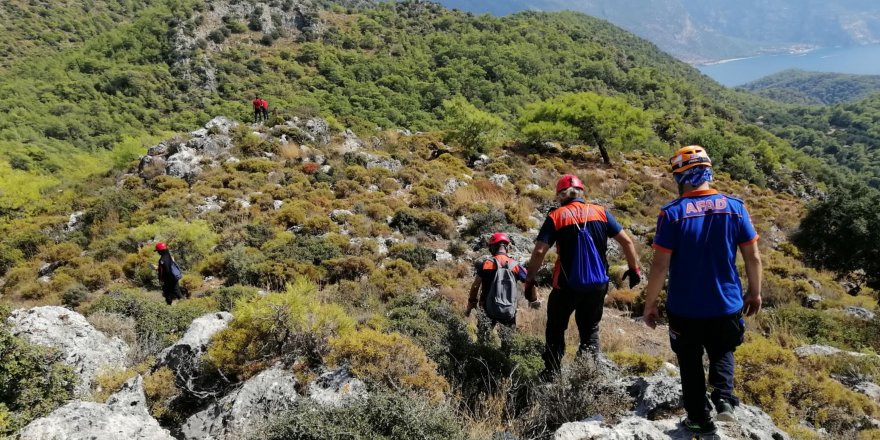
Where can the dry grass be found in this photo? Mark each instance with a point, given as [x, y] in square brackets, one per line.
[289, 151]
[480, 191]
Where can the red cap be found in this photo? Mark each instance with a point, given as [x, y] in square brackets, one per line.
[160, 246]
[568, 181]
[499, 237]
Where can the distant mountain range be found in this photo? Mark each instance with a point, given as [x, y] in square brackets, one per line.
[699, 31]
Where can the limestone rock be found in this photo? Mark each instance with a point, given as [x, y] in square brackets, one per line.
[821, 350]
[656, 395]
[185, 164]
[811, 301]
[869, 389]
[336, 387]
[859, 313]
[241, 413]
[221, 125]
[499, 179]
[151, 167]
[184, 357]
[85, 348]
[73, 221]
[124, 416]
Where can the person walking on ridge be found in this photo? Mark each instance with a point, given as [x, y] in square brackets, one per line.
[258, 108]
[264, 109]
[580, 232]
[696, 243]
[169, 274]
[494, 291]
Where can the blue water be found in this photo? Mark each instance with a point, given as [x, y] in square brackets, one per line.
[863, 60]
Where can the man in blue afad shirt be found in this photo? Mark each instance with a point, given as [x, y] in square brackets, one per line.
[696, 244]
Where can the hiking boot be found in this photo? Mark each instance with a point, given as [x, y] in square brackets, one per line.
[706, 427]
[725, 411]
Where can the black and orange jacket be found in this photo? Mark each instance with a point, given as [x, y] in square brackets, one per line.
[561, 228]
[485, 269]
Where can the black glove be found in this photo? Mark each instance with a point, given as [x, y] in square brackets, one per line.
[634, 276]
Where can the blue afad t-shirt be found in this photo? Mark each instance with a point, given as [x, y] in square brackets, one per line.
[702, 230]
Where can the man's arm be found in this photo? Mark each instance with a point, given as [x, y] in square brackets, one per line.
[659, 269]
[754, 268]
[634, 274]
[473, 298]
[538, 255]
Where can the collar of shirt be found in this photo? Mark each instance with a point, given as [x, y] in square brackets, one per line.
[700, 193]
[576, 199]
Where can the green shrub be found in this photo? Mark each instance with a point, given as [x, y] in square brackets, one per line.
[9, 257]
[418, 256]
[388, 360]
[157, 324]
[189, 241]
[378, 417]
[397, 278]
[227, 297]
[74, 296]
[283, 327]
[347, 268]
[641, 364]
[33, 381]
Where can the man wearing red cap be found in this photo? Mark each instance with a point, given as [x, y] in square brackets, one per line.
[482, 291]
[169, 274]
[580, 232]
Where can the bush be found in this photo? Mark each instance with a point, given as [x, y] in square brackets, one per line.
[378, 417]
[189, 241]
[637, 363]
[388, 360]
[226, 297]
[347, 268]
[581, 391]
[397, 278]
[34, 380]
[157, 325]
[414, 254]
[74, 296]
[283, 327]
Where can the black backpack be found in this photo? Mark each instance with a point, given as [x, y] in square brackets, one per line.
[502, 294]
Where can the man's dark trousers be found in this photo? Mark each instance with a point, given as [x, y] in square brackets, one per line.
[587, 306]
[718, 337]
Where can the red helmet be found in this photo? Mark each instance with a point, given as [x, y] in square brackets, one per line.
[161, 246]
[568, 181]
[498, 237]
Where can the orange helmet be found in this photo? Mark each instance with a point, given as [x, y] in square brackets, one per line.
[688, 157]
[498, 237]
[160, 246]
[568, 181]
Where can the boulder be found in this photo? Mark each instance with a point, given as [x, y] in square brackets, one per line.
[387, 163]
[656, 395]
[452, 184]
[124, 416]
[340, 215]
[161, 149]
[210, 204]
[220, 125]
[859, 313]
[241, 413]
[213, 147]
[185, 164]
[351, 142]
[811, 301]
[185, 356]
[336, 387]
[73, 221]
[869, 389]
[752, 424]
[499, 179]
[85, 348]
[151, 167]
[821, 350]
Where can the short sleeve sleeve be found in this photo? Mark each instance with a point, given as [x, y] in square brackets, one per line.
[612, 226]
[747, 234]
[666, 237]
[547, 234]
[522, 273]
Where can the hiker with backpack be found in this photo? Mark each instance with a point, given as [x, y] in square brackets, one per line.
[580, 232]
[495, 291]
[169, 274]
[698, 236]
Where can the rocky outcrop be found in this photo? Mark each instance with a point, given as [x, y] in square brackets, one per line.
[336, 387]
[186, 158]
[242, 412]
[822, 350]
[124, 416]
[860, 313]
[85, 348]
[184, 357]
[752, 424]
[656, 395]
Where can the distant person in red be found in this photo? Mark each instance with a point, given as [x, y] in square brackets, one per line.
[265, 109]
[258, 108]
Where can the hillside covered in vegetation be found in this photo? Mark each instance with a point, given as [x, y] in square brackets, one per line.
[341, 233]
[795, 86]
